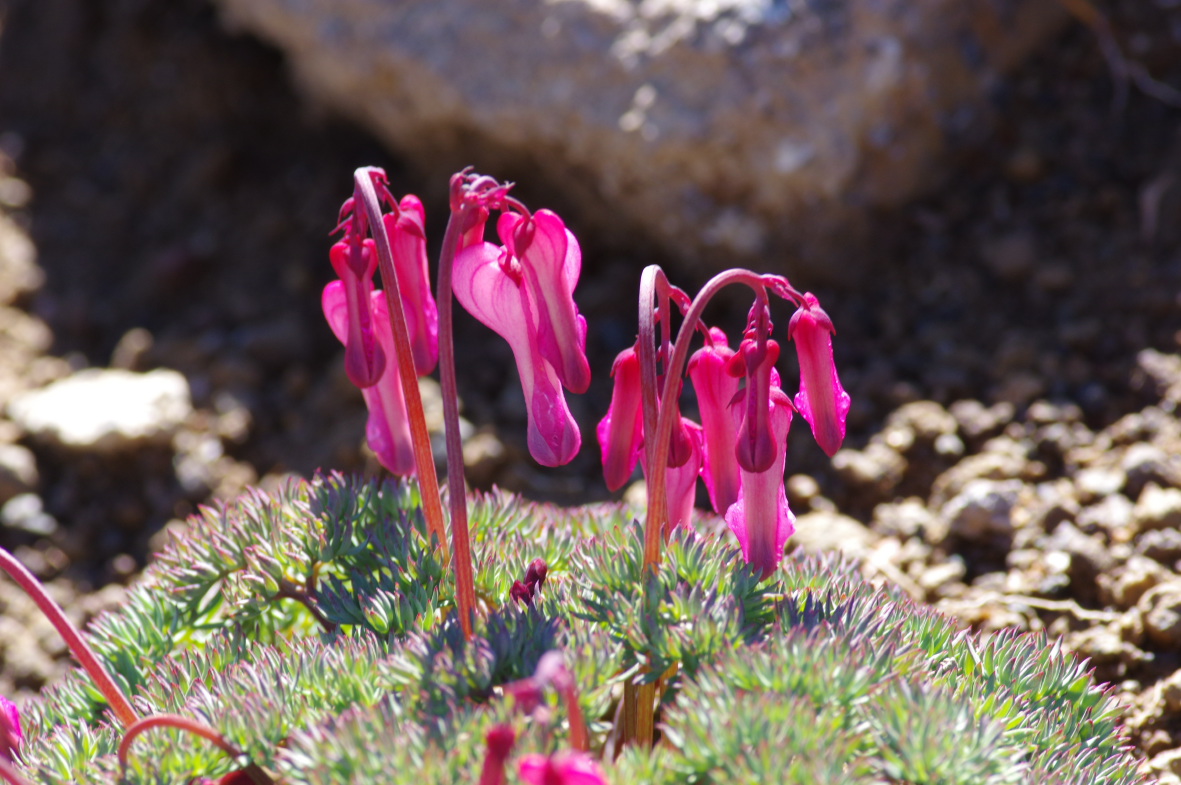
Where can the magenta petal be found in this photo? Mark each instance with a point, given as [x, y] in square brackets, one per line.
[681, 481]
[573, 768]
[364, 360]
[621, 432]
[388, 428]
[822, 401]
[552, 261]
[407, 231]
[715, 389]
[11, 733]
[761, 519]
[499, 302]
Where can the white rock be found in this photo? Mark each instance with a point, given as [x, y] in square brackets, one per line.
[99, 410]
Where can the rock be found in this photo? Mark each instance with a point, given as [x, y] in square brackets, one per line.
[1157, 508]
[1147, 463]
[1088, 558]
[19, 273]
[817, 532]
[1095, 483]
[1160, 607]
[979, 422]
[1165, 372]
[1112, 516]
[27, 513]
[1011, 257]
[877, 468]
[983, 510]
[105, 410]
[1002, 459]
[1163, 545]
[721, 130]
[18, 471]
[1127, 585]
[908, 519]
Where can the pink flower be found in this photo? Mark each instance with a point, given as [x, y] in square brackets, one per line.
[572, 768]
[499, 741]
[755, 360]
[821, 400]
[407, 232]
[680, 482]
[716, 388]
[502, 291]
[760, 519]
[550, 261]
[11, 735]
[388, 428]
[621, 432]
[355, 263]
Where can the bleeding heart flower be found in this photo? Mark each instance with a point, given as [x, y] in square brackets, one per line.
[355, 262]
[621, 432]
[761, 519]
[388, 427]
[821, 400]
[11, 735]
[716, 388]
[493, 286]
[407, 233]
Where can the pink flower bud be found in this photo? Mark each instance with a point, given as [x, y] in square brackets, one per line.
[821, 400]
[499, 740]
[11, 735]
[355, 262]
[407, 233]
[755, 449]
[716, 389]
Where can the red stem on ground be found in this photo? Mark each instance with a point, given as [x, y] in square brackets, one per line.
[74, 640]
[188, 725]
[424, 459]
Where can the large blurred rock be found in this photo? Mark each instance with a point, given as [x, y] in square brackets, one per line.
[724, 129]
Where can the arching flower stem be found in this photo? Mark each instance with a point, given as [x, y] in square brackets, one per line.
[73, 638]
[188, 725]
[428, 483]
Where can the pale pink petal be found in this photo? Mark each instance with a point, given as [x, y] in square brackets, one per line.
[621, 432]
[761, 519]
[822, 401]
[388, 427]
[497, 300]
[715, 388]
[551, 261]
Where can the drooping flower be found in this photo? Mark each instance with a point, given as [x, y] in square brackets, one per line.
[755, 359]
[716, 387]
[680, 482]
[11, 734]
[551, 262]
[407, 232]
[388, 428]
[571, 768]
[355, 261]
[621, 431]
[528, 300]
[761, 519]
[822, 401]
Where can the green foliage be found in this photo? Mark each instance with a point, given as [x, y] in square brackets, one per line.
[315, 630]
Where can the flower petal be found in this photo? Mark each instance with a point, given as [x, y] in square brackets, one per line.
[715, 389]
[761, 519]
[621, 432]
[821, 400]
[407, 232]
[500, 302]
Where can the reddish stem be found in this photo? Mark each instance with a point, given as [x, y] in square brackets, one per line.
[465, 588]
[424, 459]
[579, 738]
[74, 640]
[189, 725]
[290, 591]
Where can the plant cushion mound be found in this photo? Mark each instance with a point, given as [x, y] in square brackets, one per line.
[314, 628]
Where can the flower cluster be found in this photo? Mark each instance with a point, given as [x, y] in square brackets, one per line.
[740, 447]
